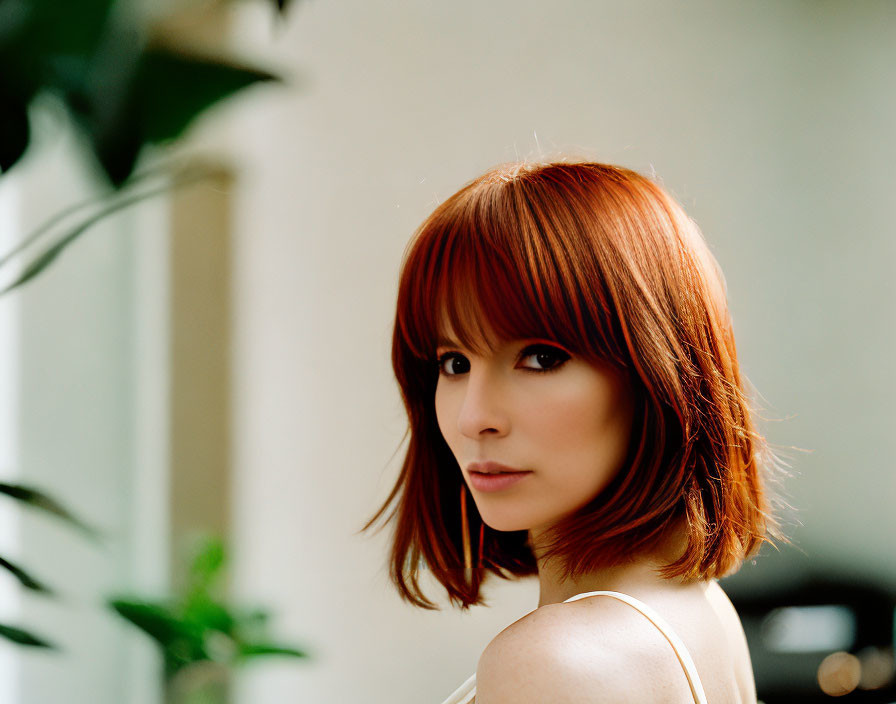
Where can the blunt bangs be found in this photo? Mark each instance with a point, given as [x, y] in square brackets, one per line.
[485, 264]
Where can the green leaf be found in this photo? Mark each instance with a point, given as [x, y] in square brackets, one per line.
[14, 17]
[17, 635]
[14, 132]
[47, 45]
[208, 562]
[24, 578]
[39, 500]
[253, 650]
[173, 88]
[57, 218]
[207, 614]
[161, 623]
[42, 261]
[156, 100]
[72, 27]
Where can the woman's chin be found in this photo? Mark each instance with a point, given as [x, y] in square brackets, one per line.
[506, 524]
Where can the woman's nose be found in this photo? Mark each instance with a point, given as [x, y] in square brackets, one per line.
[483, 410]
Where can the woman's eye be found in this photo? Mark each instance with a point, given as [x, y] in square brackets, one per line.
[535, 358]
[452, 364]
[545, 357]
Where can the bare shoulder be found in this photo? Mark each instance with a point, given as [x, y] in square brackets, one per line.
[578, 653]
[736, 639]
[723, 607]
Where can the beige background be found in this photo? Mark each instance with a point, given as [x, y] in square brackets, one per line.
[770, 121]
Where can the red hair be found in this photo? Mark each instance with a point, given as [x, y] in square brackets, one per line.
[605, 262]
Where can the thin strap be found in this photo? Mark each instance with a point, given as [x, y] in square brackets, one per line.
[467, 691]
[463, 694]
[684, 657]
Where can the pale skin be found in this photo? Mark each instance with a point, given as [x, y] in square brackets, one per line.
[570, 427]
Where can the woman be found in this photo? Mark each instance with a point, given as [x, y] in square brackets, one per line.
[566, 358]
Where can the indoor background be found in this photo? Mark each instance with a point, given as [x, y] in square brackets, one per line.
[218, 359]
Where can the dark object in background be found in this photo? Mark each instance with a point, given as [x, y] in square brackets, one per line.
[821, 639]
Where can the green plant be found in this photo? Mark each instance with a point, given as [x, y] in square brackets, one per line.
[192, 630]
[196, 628]
[122, 87]
[35, 499]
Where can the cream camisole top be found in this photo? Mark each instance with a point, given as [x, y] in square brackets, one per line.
[466, 693]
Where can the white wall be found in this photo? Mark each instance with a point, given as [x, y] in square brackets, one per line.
[10, 539]
[76, 425]
[771, 122]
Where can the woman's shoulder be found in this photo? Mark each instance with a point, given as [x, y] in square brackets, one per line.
[556, 652]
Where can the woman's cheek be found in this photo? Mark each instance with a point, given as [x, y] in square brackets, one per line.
[443, 408]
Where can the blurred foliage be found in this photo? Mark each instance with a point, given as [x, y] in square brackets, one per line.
[38, 500]
[121, 87]
[134, 191]
[123, 90]
[196, 628]
[191, 629]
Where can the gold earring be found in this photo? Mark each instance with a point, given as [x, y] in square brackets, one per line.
[465, 530]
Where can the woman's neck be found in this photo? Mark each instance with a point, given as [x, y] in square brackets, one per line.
[639, 577]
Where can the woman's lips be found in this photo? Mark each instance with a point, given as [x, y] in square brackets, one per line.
[496, 482]
[490, 467]
[494, 476]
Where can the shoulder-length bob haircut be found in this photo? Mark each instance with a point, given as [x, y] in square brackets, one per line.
[605, 262]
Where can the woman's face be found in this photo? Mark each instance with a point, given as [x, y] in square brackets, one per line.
[531, 406]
